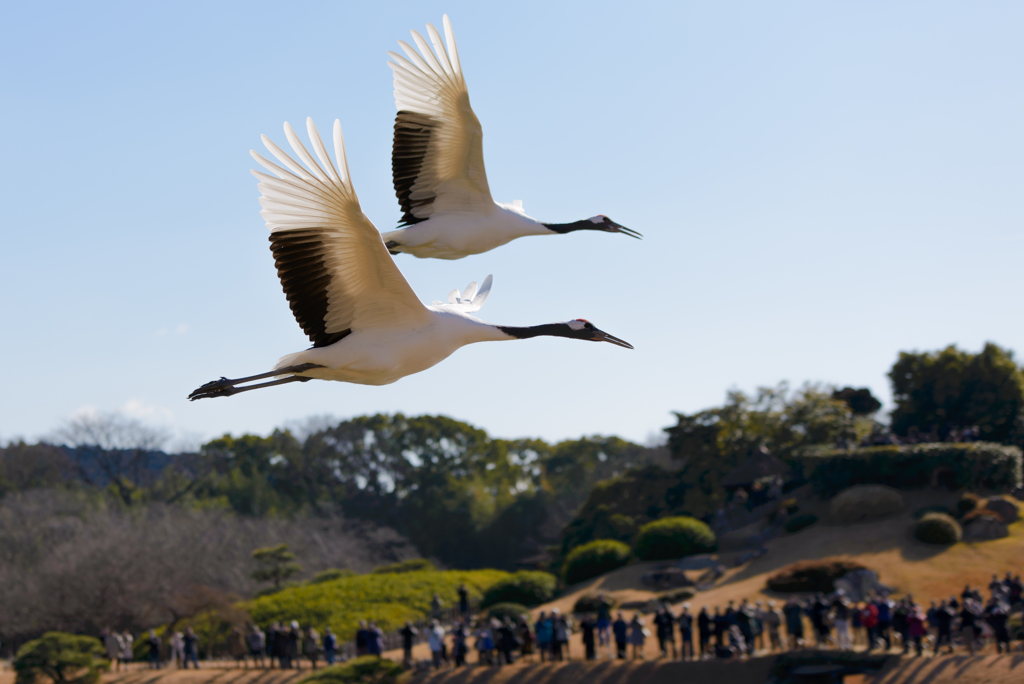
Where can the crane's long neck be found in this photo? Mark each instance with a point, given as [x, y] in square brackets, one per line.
[546, 330]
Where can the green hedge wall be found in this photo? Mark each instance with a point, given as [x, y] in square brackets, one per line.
[980, 465]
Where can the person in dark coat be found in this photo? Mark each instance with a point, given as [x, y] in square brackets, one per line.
[620, 629]
[408, 640]
[794, 613]
[705, 625]
[293, 647]
[685, 621]
[588, 626]
[153, 643]
[507, 641]
[362, 636]
[664, 625]
[944, 626]
[996, 617]
[745, 621]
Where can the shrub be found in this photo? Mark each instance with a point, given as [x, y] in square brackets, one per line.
[865, 502]
[790, 506]
[389, 599]
[677, 596]
[369, 669]
[528, 587]
[800, 522]
[967, 503]
[937, 528]
[591, 603]
[330, 575]
[63, 658]
[979, 465]
[925, 510]
[412, 565]
[1015, 625]
[513, 611]
[674, 537]
[593, 559]
[811, 576]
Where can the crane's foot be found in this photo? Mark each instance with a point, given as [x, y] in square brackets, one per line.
[226, 387]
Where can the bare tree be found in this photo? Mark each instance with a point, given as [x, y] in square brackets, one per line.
[114, 448]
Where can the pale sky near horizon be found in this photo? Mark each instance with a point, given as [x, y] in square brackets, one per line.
[819, 185]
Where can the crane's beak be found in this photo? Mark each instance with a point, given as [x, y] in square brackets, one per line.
[602, 336]
[613, 227]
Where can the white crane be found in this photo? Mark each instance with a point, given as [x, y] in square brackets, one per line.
[437, 163]
[347, 294]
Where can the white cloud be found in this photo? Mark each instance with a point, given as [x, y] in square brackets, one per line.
[182, 328]
[136, 408]
[86, 411]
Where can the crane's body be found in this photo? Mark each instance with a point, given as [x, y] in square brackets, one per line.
[453, 235]
[381, 356]
[437, 163]
[366, 324]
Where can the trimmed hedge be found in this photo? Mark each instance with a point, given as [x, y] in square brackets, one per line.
[593, 559]
[937, 528]
[526, 587]
[802, 521]
[513, 611]
[64, 658]
[980, 465]
[674, 537]
[411, 565]
[811, 576]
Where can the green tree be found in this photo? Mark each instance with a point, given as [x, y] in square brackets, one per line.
[714, 442]
[61, 657]
[277, 564]
[951, 389]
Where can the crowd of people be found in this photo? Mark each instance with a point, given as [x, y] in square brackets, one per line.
[967, 621]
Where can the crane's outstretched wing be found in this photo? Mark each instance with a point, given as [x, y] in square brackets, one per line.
[437, 161]
[333, 266]
[472, 299]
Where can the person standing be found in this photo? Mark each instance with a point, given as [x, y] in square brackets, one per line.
[997, 617]
[869, 618]
[794, 613]
[507, 640]
[256, 641]
[112, 645]
[604, 623]
[545, 632]
[637, 636]
[178, 650]
[153, 643]
[620, 629]
[127, 653]
[561, 630]
[375, 640]
[311, 645]
[362, 637]
[884, 607]
[459, 648]
[435, 639]
[237, 647]
[292, 647]
[408, 639]
[273, 646]
[330, 646]
[685, 621]
[191, 648]
[841, 615]
[281, 647]
[968, 623]
[772, 622]
[525, 637]
[705, 625]
[721, 623]
[744, 620]
[916, 627]
[664, 629]
[587, 627]
[943, 625]
[463, 601]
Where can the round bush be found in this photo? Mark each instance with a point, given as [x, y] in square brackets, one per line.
[865, 502]
[799, 522]
[937, 528]
[593, 559]
[512, 611]
[675, 537]
[526, 587]
[591, 603]
[63, 657]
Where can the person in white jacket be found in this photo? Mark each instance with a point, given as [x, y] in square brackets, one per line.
[435, 638]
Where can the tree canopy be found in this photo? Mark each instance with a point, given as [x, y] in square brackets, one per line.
[954, 389]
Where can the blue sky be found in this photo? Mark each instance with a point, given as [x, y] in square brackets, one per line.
[820, 185]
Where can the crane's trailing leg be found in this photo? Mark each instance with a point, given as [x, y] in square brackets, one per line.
[226, 387]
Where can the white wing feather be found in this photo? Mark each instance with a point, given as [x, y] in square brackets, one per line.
[365, 288]
[472, 299]
[449, 173]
